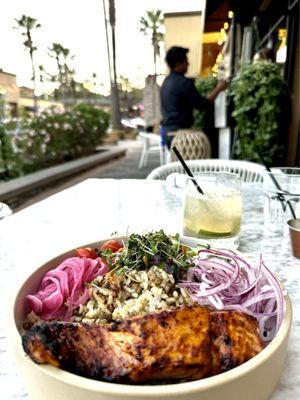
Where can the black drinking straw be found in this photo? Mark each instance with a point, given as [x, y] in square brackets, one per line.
[187, 170]
[280, 196]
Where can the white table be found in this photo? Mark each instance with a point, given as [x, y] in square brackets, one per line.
[93, 210]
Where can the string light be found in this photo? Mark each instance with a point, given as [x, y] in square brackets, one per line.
[221, 39]
[215, 68]
[281, 53]
[219, 58]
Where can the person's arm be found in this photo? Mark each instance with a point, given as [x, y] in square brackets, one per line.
[222, 85]
[196, 100]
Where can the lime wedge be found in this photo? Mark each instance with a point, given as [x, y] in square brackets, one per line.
[203, 232]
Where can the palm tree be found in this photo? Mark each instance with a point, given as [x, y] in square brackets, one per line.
[65, 74]
[114, 93]
[151, 24]
[125, 87]
[95, 84]
[42, 73]
[60, 54]
[43, 77]
[28, 24]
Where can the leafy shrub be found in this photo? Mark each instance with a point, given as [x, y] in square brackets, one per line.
[54, 137]
[261, 112]
[204, 86]
[10, 164]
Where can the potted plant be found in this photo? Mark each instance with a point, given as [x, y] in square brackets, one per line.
[204, 86]
[261, 111]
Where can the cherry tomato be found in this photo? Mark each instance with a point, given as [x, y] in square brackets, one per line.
[86, 252]
[183, 249]
[112, 245]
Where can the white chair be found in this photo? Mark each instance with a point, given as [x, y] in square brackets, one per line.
[5, 211]
[248, 171]
[151, 144]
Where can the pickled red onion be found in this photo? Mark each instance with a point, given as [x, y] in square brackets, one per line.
[63, 288]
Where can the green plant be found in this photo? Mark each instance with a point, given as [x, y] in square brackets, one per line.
[54, 137]
[204, 86]
[10, 164]
[259, 97]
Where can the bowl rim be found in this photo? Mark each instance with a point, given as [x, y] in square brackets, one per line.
[149, 391]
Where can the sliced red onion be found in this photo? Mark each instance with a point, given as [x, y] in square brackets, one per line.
[226, 281]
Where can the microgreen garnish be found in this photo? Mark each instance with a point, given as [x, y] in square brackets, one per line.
[141, 252]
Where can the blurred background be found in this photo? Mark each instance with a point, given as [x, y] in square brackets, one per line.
[74, 75]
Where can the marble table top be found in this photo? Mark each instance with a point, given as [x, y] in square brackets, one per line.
[96, 208]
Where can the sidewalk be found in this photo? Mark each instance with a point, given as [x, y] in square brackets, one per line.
[127, 167]
[124, 168]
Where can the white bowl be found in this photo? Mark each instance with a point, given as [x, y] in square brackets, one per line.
[255, 379]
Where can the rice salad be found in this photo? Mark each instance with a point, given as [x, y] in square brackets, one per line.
[122, 296]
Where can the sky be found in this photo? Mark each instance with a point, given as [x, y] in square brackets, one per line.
[79, 26]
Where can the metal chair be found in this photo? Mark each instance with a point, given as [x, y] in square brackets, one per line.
[248, 171]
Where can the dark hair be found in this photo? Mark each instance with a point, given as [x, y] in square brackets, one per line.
[176, 55]
[266, 54]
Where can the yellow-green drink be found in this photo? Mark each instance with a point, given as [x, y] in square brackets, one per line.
[217, 213]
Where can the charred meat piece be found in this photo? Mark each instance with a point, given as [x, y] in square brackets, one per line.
[164, 345]
[185, 343]
[234, 338]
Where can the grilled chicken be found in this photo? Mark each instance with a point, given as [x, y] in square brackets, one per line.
[234, 338]
[185, 343]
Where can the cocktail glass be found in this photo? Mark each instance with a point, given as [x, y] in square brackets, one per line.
[214, 216]
[278, 203]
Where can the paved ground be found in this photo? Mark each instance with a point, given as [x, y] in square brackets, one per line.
[125, 167]
[128, 166]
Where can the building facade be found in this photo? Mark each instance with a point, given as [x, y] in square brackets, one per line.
[185, 29]
[15, 99]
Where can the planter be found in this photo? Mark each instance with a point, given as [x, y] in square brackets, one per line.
[130, 134]
[112, 138]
